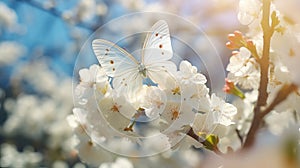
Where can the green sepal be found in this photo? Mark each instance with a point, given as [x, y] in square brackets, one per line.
[211, 142]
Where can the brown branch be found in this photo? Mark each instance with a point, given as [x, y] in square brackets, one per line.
[255, 125]
[264, 61]
[264, 73]
[282, 94]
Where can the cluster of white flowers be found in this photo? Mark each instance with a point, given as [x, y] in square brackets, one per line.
[35, 117]
[85, 11]
[11, 157]
[244, 69]
[156, 120]
[284, 56]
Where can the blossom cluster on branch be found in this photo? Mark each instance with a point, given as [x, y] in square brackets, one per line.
[262, 74]
[184, 104]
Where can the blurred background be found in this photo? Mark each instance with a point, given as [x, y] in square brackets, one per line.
[39, 44]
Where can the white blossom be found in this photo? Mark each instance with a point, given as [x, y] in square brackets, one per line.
[88, 150]
[243, 69]
[239, 60]
[221, 111]
[11, 157]
[249, 10]
[188, 74]
[155, 102]
[93, 83]
[247, 77]
[289, 52]
[196, 96]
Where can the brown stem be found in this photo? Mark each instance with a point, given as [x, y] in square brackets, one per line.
[199, 139]
[252, 132]
[264, 73]
[264, 61]
[192, 134]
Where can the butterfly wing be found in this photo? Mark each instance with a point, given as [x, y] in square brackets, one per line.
[162, 73]
[129, 85]
[113, 58]
[158, 38]
[118, 64]
[157, 51]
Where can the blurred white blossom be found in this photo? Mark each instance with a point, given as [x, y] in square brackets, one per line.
[249, 10]
[11, 157]
[119, 163]
[10, 51]
[272, 151]
[86, 10]
[8, 17]
[288, 52]
[289, 9]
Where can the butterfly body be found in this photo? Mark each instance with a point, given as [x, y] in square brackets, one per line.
[142, 70]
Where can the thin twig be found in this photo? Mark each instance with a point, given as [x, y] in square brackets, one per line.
[239, 136]
[284, 92]
[199, 139]
[192, 134]
[56, 13]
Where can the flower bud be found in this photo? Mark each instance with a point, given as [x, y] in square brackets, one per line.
[230, 88]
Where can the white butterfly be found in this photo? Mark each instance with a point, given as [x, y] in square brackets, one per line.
[127, 72]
